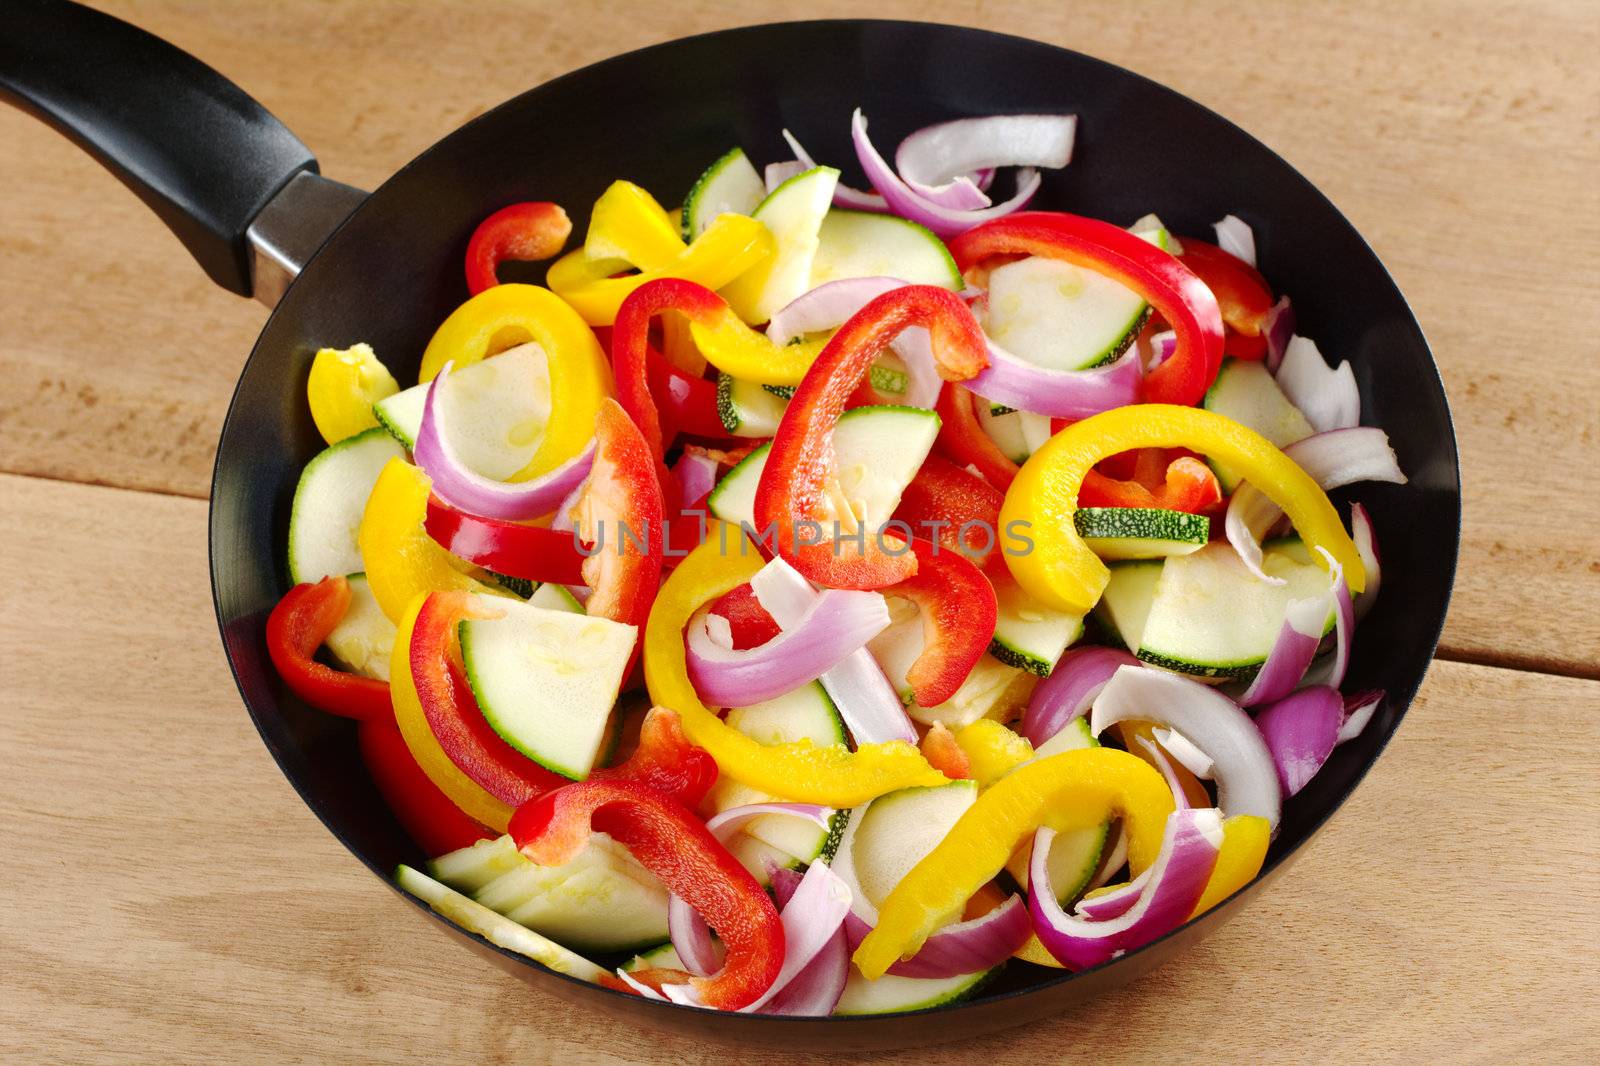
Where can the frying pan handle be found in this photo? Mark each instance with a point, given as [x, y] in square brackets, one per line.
[192, 145]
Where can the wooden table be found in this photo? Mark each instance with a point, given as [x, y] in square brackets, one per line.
[170, 899]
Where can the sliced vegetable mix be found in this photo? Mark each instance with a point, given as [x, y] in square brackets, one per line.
[986, 617]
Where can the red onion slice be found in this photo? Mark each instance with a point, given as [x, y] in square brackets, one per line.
[1332, 672]
[1110, 904]
[1327, 396]
[831, 304]
[866, 701]
[1301, 730]
[1015, 382]
[1177, 880]
[843, 195]
[1160, 758]
[1247, 782]
[1069, 690]
[776, 174]
[467, 490]
[1334, 459]
[838, 623]
[1279, 329]
[961, 947]
[1235, 237]
[1162, 345]
[935, 162]
[696, 474]
[1367, 548]
[1358, 711]
[909, 204]
[1297, 643]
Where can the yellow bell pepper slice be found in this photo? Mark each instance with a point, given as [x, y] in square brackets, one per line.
[628, 224]
[833, 775]
[580, 377]
[730, 245]
[1060, 569]
[1072, 790]
[343, 385]
[460, 789]
[992, 750]
[747, 354]
[402, 561]
[1244, 848]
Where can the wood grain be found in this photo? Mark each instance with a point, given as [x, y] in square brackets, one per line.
[169, 898]
[1462, 139]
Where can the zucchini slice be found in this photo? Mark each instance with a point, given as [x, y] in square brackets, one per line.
[1141, 532]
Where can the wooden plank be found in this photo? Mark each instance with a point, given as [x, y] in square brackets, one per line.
[168, 896]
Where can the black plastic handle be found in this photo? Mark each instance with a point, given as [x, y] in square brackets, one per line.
[189, 142]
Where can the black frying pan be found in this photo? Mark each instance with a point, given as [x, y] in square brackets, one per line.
[243, 195]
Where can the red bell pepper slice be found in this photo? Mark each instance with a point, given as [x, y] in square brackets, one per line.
[1177, 295]
[953, 507]
[1189, 485]
[623, 497]
[750, 623]
[630, 342]
[687, 404]
[526, 231]
[535, 553]
[962, 439]
[1243, 296]
[452, 712]
[675, 846]
[958, 618]
[296, 628]
[666, 761]
[939, 747]
[425, 813]
[795, 487]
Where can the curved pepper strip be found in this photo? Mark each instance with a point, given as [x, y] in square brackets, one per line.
[993, 750]
[343, 385]
[953, 507]
[673, 844]
[730, 245]
[958, 610]
[451, 712]
[630, 350]
[1243, 296]
[1072, 790]
[426, 814]
[296, 628]
[508, 315]
[628, 224]
[1244, 848]
[526, 232]
[832, 776]
[687, 404]
[620, 512]
[1064, 573]
[534, 553]
[1131, 731]
[962, 439]
[800, 479]
[666, 761]
[734, 348]
[939, 747]
[1166, 284]
[1190, 486]
[402, 561]
[473, 800]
